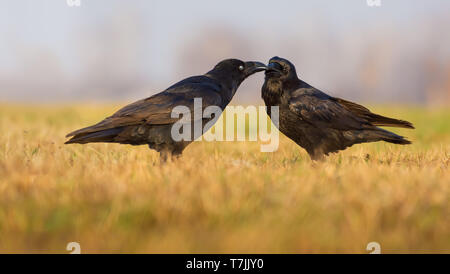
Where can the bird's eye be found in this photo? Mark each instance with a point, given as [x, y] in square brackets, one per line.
[241, 67]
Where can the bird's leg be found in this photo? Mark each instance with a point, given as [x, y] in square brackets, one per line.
[176, 152]
[317, 155]
[165, 155]
[175, 156]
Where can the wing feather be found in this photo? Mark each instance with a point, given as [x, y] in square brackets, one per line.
[316, 108]
[157, 109]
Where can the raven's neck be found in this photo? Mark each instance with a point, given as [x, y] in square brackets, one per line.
[227, 83]
[274, 89]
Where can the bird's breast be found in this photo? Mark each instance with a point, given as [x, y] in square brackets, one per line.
[271, 95]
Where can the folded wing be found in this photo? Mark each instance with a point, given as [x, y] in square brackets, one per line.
[155, 110]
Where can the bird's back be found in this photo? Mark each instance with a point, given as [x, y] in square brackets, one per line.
[149, 119]
[322, 124]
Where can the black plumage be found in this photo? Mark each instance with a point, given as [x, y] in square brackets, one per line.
[148, 121]
[318, 122]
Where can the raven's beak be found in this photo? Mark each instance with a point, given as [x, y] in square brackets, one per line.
[274, 66]
[253, 67]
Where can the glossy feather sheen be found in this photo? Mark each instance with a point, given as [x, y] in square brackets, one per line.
[148, 121]
[320, 123]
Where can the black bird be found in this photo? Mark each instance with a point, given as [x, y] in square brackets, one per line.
[148, 121]
[318, 122]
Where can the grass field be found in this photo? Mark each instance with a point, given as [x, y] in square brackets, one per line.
[224, 197]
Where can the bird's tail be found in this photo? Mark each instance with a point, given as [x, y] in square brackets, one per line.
[379, 134]
[378, 120]
[103, 136]
[374, 119]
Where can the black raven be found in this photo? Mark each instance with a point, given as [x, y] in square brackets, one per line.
[149, 121]
[318, 122]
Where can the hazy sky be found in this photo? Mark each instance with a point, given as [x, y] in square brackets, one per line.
[154, 34]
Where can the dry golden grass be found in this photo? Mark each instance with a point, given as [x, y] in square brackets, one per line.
[221, 196]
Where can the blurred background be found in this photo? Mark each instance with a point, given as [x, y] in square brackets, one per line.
[112, 50]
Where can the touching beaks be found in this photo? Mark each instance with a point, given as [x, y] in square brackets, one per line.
[253, 67]
[274, 66]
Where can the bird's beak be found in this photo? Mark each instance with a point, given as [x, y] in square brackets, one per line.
[253, 67]
[274, 66]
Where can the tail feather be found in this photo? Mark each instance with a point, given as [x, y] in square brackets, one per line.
[105, 124]
[107, 135]
[378, 120]
[374, 119]
[389, 137]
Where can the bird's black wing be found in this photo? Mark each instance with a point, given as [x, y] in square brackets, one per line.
[318, 109]
[373, 118]
[157, 109]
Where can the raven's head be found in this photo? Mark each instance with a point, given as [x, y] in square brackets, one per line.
[235, 71]
[280, 69]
